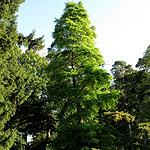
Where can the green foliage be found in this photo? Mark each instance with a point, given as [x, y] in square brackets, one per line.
[121, 125]
[13, 76]
[29, 41]
[119, 116]
[66, 103]
[83, 136]
[145, 127]
[133, 101]
[78, 86]
[144, 63]
[33, 117]
[74, 69]
[22, 83]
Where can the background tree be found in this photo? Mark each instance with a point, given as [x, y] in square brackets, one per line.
[134, 87]
[144, 63]
[33, 117]
[144, 124]
[77, 83]
[24, 108]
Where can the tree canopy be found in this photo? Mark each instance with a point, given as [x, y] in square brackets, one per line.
[76, 75]
[67, 100]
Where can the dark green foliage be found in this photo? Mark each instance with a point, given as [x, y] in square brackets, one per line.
[23, 100]
[29, 41]
[66, 102]
[13, 77]
[134, 100]
[144, 63]
[83, 136]
[121, 125]
[33, 117]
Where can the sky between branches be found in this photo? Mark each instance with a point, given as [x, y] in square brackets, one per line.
[122, 26]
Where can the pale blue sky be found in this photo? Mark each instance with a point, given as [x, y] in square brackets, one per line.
[40, 15]
[123, 26]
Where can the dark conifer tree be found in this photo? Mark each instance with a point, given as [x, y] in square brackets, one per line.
[13, 76]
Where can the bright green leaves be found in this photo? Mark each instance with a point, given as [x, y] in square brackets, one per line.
[119, 116]
[8, 8]
[74, 60]
[73, 28]
[78, 86]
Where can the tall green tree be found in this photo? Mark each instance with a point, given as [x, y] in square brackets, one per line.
[144, 63]
[119, 70]
[134, 100]
[120, 119]
[144, 124]
[78, 85]
[13, 76]
[33, 116]
[122, 76]
[24, 109]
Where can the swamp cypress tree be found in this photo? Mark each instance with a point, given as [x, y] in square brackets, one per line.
[78, 84]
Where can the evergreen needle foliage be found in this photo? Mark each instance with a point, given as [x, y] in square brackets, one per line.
[67, 101]
[13, 77]
[77, 81]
